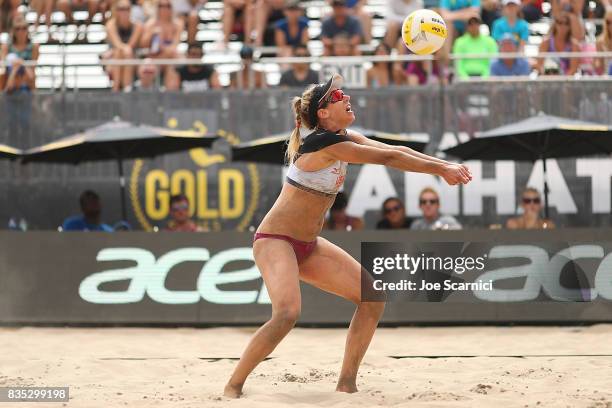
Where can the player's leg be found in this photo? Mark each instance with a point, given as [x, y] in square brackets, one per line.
[279, 269]
[332, 269]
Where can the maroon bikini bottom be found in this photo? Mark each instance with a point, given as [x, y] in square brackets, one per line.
[301, 248]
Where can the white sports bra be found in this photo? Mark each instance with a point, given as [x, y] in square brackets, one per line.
[326, 181]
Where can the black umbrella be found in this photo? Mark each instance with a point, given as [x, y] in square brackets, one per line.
[272, 149]
[8, 152]
[538, 138]
[118, 140]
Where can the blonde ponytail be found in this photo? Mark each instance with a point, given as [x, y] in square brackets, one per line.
[300, 108]
[293, 144]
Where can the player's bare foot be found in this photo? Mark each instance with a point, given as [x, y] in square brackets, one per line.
[347, 386]
[232, 391]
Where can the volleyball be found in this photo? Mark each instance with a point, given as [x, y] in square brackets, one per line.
[424, 32]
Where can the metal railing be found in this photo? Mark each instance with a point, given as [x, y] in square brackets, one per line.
[234, 61]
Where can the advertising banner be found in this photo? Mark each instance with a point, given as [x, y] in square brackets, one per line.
[211, 278]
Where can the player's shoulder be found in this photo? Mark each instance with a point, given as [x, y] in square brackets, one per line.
[322, 138]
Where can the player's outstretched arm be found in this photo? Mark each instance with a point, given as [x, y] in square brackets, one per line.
[362, 154]
[361, 139]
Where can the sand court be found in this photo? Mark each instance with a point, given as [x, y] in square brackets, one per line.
[404, 367]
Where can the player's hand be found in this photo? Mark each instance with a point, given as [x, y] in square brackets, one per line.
[456, 174]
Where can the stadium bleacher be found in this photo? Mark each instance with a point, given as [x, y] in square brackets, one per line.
[80, 46]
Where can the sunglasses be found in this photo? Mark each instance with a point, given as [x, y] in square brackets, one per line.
[432, 202]
[123, 9]
[562, 22]
[531, 200]
[21, 28]
[164, 5]
[335, 96]
[389, 210]
[180, 207]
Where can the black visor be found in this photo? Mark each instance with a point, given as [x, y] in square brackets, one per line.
[320, 93]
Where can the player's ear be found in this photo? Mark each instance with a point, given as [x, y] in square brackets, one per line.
[322, 113]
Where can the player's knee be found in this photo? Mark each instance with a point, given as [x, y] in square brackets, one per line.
[287, 315]
[375, 309]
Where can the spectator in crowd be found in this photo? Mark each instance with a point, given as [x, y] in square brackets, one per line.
[143, 10]
[162, 36]
[42, 8]
[532, 10]
[381, 73]
[248, 77]
[189, 11]
[267, 13]
[300, 75]
[340, 22]
[509, 66]
[456, 13]
[343, 47]
[572, 11]
[123, 37]
[604, 44]
[429, 203]
[511, 23]
[595, 9]
[198, 77]
[489, 12]
[90, 220]
[147, 77]
[424, 72]
[397, 11]
[560, 39]
[473, 42]
[237, 19]
[19, 48]
[419, 72]
[356, 9]
[70, 6]
[531, 204]
[180, 221]
[291, 30]
[338, 218]
[8, 11]
[394, 215]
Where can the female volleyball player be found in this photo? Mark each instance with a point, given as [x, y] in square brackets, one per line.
[287, 247]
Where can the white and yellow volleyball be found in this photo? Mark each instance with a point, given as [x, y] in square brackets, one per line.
[424, 32]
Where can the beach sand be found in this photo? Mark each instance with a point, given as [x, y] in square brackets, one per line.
[441, 367]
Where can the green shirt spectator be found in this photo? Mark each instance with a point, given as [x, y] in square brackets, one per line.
[472, 42]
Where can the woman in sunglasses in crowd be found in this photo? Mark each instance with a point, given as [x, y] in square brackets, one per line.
[531, 204]
[287, 247]
[123, 36]
[18, 77]
[560, 39]
[161, 36]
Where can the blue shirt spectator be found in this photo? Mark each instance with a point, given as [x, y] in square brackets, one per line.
[510, 23]
[79, 223]
[351, 27]
[283, 25]
[340, 23]
[515, 67]
[90, 220]
[455, 6]
[509, 66]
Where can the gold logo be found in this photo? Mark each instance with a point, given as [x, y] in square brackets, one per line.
[230, 206]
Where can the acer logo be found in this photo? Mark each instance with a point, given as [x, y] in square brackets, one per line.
[543, 273]
[149, 276]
